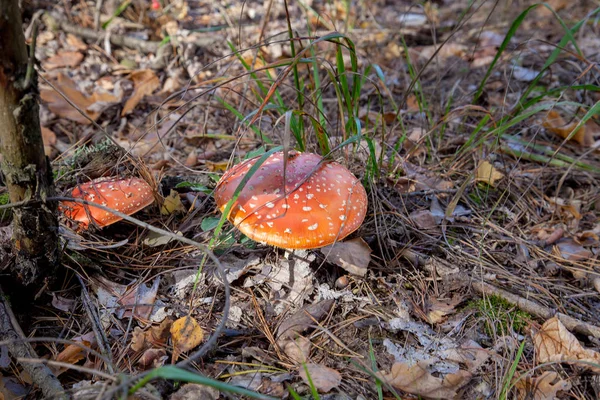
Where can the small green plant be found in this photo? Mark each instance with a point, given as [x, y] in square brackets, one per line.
[499, 316]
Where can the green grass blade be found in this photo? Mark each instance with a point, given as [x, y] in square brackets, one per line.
[174, 373]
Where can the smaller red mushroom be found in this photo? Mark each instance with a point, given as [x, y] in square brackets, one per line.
[128, 196]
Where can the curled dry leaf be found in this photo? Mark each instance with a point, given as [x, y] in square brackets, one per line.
[439, 309]
[139, 300]
[544, 387]
[156, 336]
[488, 174]
[352, 255]
[555, 123]
[554, 343]
[303, 319]
[153, 358]
[73, 353]
[145, 82]
[92, 106]
[297, 349]
[191, 391]
[49, 138]
[323, 378]
[186, 334]
[417, 380]
[62, 303]
[63, 59]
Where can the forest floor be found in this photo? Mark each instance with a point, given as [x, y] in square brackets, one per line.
[472, 125]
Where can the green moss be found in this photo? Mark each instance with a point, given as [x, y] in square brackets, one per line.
[499, 316]
[5, 215]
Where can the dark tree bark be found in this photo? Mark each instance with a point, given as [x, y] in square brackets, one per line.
[25, 167]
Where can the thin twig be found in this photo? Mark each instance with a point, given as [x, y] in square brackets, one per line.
[101, 338]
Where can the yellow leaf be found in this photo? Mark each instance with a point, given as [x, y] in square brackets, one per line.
[186, 334]
[172, 204]
[488, 174]
[144, 83]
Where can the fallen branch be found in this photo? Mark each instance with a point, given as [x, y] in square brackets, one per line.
[538, 310]
[144, 46]
[41, 375]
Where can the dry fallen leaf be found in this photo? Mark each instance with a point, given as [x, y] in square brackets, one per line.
[323, 378]
[488, 174]
[76, 43]
[297, 349]
[152, 358]
[352, 255]
[73, 353]
[62, 303]
[544, 387]
[303, 319]
[191, 391]
[92, 106]
[186, 334]
[138, 301]
[156, 336]
[555, 123]
[554, 343]
[419, 178]
[49, 138]
[69, 59]
[417, 380]
[423, 220]
[439, 309]
[572, 251]
[145, 82]
[172, 204]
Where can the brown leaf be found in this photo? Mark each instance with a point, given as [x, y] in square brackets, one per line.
[544, 387]
[352, 255]
[439, 309]
[49, 138]
[303, 319]
[62, 303]
[186, 334]
[76, 43]
[323, 378]
[555, 123]
[145, 82]
[420, 178]
[191, 391]
[69, 59]
[572, 251]
[417, 380]
[424, 220]
[554, 343]
[139, 301]
[297, 349]
[156, 336]
[152, 358]
[72, 353]
[87, 104]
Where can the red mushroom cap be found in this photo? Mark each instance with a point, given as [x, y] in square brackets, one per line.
[125, 195]
[316, 206]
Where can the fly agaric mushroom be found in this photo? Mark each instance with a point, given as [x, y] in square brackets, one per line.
[318, 204]
[128, 196]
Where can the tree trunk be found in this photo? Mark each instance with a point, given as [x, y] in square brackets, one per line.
[26, 169]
